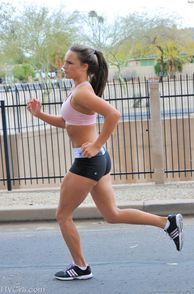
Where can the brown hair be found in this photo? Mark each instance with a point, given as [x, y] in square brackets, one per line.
[97, 66]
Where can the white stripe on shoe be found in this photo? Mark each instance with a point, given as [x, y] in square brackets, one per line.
[174, 233]
[72, 273]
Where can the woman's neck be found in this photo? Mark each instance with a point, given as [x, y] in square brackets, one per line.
[81, 81]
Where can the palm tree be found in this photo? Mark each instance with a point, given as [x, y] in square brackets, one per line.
[170, 60]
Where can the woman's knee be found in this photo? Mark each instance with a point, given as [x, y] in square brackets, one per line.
[62, 217]
[58, 216]
[112, 217]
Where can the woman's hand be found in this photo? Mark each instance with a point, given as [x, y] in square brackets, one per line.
[34, 106]
[89, 149]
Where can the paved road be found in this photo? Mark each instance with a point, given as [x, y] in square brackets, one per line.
[124, 259]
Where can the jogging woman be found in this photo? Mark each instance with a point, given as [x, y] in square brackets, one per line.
[90, 172]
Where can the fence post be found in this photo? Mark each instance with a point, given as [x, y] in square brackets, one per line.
[157, 142]
[6, 146]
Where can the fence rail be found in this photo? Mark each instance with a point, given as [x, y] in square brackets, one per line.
[33, 154]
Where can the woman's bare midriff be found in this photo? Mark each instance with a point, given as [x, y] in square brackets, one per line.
[81, 134]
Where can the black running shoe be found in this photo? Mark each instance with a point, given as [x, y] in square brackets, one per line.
[175, 230]
[73, 272]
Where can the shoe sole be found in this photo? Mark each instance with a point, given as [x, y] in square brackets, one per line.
[85, 277]
[179, 223]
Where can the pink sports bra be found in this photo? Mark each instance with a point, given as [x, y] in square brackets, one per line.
[74, 117]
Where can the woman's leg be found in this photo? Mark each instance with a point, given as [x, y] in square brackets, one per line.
[103, 196]
[74, 190]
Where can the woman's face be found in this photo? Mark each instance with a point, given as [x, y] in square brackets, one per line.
[73, 68]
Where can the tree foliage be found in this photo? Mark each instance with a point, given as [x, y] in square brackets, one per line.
[170, 60]
[97, 32]
[40, 37]
[37, 37]
[23, 72]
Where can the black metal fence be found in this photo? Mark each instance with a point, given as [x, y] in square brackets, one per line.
[33, 153]
[177, 103]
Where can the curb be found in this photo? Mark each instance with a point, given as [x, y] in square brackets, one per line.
[162, 207]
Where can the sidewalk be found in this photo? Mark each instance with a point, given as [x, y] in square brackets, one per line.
[41, 204]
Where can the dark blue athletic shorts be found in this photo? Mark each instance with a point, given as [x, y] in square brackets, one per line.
[93, 168]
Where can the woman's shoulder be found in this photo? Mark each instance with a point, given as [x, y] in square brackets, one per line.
[83, 94]
[83, 89]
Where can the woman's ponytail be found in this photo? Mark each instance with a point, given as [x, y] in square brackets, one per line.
[99, 78]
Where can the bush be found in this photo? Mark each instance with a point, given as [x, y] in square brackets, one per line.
[125, 74]
[2, 76]
[22, 72]
[128, 75]
[159, 71]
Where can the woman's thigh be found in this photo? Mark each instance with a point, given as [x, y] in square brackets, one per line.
[74, 189]
[103, 196]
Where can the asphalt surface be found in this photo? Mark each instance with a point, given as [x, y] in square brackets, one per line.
[124, 259]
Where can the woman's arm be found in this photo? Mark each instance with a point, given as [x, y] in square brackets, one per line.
[34, 106]
[53, 120]
[110, 121]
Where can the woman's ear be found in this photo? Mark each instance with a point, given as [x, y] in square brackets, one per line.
[85, 67]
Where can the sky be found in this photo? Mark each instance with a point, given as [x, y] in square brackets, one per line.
[110, 9]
